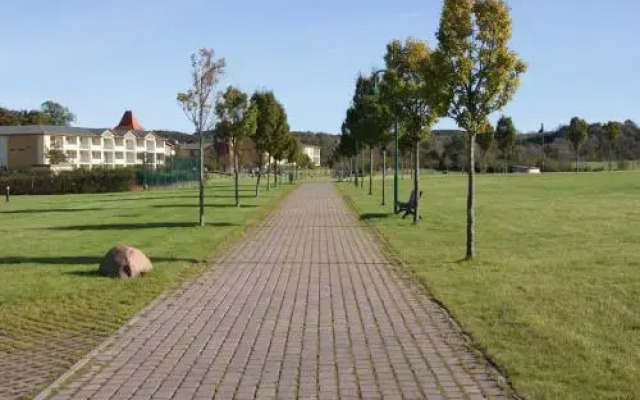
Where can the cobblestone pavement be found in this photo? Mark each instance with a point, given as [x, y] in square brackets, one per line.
[306, 306]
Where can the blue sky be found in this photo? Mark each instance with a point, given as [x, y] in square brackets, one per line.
[100, 58]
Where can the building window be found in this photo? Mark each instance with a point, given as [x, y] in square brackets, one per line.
[72, 155]
[96, 141]
[72, 140]
[119, 142]
[96, 155]
[131, 158]
[140, 142]
[119, 155]
[130, 145]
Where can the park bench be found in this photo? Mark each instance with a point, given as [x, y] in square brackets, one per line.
[409, 208]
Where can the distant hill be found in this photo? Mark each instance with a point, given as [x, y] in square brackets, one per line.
[180, 137]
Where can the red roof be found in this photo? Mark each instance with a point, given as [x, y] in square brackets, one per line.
[129, 122]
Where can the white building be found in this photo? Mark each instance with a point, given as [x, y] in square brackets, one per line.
[127, 144]
[313, 152]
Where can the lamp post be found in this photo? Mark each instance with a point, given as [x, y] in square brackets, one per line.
[376, 92]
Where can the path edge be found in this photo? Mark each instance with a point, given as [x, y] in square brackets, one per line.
[222, 250]
[407, 272]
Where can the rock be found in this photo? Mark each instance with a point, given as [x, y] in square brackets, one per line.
[125, 262]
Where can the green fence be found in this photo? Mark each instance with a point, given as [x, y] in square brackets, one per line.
[176, 171]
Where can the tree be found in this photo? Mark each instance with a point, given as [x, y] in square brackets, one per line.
[482, 72]
[507, 136]
[413, 87]
[613, 130]
[237, 120]
[269, 120]
[56, 156]
[485, 142]
[58, 114]
[578, 129]
[293, 152]
[197, 103]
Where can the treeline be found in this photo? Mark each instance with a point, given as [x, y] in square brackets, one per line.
[552, 151]
[49, 113]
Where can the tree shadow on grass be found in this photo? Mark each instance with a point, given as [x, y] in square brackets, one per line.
[51, 210]
[135, 226]
[79, 260]
[206, 205]
[143, 198]
[373, 216]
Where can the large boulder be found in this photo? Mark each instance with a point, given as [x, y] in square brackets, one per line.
[125, 262]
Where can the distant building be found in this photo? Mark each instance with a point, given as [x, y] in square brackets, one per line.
[520, 169]
[313, 152]
[127, 144]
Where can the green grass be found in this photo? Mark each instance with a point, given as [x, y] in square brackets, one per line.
[554, 294]
[51, 247]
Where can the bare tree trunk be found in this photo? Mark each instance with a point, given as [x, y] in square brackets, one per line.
[577, 159]
[269, 173]
[201, 183]
[370, 171]
[355, 162]
[411, 165]
[275, 173]
[471, 197]
[611, 156]
[416, 182]
[362, 169]
[384, 174]
[236, 176]
[259, 175]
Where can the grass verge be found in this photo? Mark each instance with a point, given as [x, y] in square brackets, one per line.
[553, 294]
[54, 305]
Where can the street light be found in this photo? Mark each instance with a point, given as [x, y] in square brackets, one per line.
[376, 92]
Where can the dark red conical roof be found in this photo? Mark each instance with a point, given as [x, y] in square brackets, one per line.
[129, 122]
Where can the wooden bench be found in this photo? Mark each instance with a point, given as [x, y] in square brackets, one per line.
[409, 208]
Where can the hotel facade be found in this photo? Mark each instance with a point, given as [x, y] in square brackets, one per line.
[128, 144]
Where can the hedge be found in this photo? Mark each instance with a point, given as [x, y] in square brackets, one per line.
[76, 181]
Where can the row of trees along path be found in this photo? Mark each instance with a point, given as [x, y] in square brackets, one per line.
[471, 74]
[234, 116]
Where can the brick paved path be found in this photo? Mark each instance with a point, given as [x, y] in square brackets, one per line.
[305, 307]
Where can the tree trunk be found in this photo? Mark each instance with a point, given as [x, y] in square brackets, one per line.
[416, 182]
[362, 169]
[471, 197]
[384, 174]
[237, 190]
[275, 173]
[411, 165]
[259, 175]
[577, 160]
[611, 156]
[269, 173]
[355, 162]
[370, 171]
[201, 183]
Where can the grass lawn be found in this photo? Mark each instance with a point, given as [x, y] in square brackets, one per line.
[554, 294]
[54, 305]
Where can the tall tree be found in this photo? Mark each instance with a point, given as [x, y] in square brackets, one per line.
[483, 74]
[418, 93]
[578, 130]
[237, 120]
[506, 136]
[485, 142]
[294, 149]
[59, 114]
[613, 130]
[270, 120]
[198, 104]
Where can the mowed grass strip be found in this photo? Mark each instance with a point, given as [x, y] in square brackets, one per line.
[51, 246]
[554, 294]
